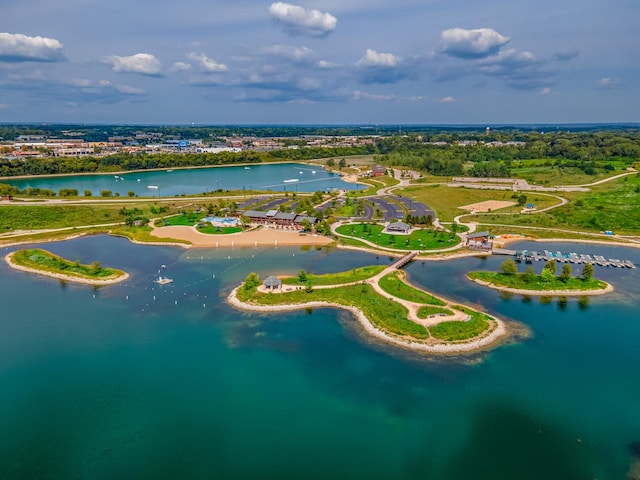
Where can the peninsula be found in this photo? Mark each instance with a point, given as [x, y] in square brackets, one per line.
[385, 305]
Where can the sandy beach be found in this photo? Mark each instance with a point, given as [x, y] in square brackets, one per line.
[67, 278]
[261, 238]
[430, 346]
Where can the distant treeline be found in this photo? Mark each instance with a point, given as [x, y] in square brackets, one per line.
[437, 153]
[124, 161]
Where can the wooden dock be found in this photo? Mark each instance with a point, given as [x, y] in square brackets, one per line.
[531, 255]
[401, 262]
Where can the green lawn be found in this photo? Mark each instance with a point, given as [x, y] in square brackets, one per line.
[14, 217]
[187, 219]
[354, 275]
[394, 285]
[424, 239]
[424, 312]
[48, 262]
[537, 282]
[211, 230]
[386, 314]
[456, 330]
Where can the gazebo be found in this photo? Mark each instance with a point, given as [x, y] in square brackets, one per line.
[272, 282]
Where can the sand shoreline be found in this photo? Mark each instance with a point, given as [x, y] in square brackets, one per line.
[476, 345]
[60, 276]
[543, 293]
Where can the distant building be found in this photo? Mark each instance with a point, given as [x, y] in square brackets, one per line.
[378, 170]
[479, 241]
[398, 227]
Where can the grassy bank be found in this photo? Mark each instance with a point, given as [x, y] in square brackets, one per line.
[455, 330]
[355, 275]
[394, 285]
[533, 282]
[45, 261]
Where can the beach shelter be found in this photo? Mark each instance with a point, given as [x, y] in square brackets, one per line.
[272, 282]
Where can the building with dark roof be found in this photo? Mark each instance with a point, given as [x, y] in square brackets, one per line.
[398, 227]
[272, 282]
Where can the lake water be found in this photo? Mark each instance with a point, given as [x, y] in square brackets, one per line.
[141, 381]
[282, 177]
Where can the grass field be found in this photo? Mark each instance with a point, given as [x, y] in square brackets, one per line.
[455, 330]
[610, 206]
[537, 282]
[446, 200]
[355, 275]
[424, 312]
[419, 240]
[394, 285]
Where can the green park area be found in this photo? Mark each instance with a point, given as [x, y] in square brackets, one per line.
[47, 262]
[386, 313]
[546, 281]
[422, 239]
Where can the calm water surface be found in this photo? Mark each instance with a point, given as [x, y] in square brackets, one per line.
[308, 178]
[141, 381]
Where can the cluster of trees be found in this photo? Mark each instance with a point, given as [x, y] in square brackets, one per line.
[418, 220]
[548, 273]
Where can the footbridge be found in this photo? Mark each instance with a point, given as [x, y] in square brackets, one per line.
[401, 262]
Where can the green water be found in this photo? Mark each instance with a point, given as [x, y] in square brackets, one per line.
[112, 383]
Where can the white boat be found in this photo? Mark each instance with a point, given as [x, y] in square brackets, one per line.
[163, 280]
[301, 173]
[169, 170]
[154, 187]
[291, 180]
[138, 179]
[247, 168]
[313, 171]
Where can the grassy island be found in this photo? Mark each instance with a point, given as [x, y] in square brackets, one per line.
[46, 263]
[384, 304]
[545, 283]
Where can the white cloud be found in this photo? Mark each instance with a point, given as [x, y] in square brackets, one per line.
[475, 43]
[129, 90]
[16, 47]
[448, 99]
[607, 83]
[372, 58]
[359, 95]
[297, 54]
[325, 64]
[207, 64]
[545, 91]
[180, 67]
[142, 63]
[296, 20]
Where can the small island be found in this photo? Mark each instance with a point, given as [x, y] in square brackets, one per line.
[508, 279]
[385, 305]
[46, 263]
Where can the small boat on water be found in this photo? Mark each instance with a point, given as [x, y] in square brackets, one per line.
[153, 187]
[247, 168]
[313, 171]
[169, 171]
[163, 280]
[291, 180]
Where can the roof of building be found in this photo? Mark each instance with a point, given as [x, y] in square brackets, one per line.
[301, 218]
[478, 234]
[378, 168]
[255, 214]
[272, 281]
[285, 216]
[399, 226]
[272, 213]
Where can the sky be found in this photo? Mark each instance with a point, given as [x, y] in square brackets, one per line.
[319, 62]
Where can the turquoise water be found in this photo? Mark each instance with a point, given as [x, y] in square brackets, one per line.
[112, 383]
[198, 180]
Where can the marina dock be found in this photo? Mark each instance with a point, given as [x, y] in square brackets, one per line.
[529, 256]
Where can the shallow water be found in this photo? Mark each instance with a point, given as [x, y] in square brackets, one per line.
[141, 381]
[169, 183]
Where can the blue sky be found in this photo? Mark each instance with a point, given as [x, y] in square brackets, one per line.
[314, 62]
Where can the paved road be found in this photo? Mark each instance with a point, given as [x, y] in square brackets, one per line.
[390, 211]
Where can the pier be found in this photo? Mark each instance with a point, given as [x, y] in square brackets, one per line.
[529, 256]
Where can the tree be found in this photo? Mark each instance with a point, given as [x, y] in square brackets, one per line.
[522, 200]
[87, 193]
[587, 271]
[252, 281]
[131, 193]
[306, 225]
[309, 288]
[106, 193]
[96, 266]
[509, 267]
[331, 162]
[302, 276]
[565, 275]
[342, 163]
[529, 275]
[550, 266]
